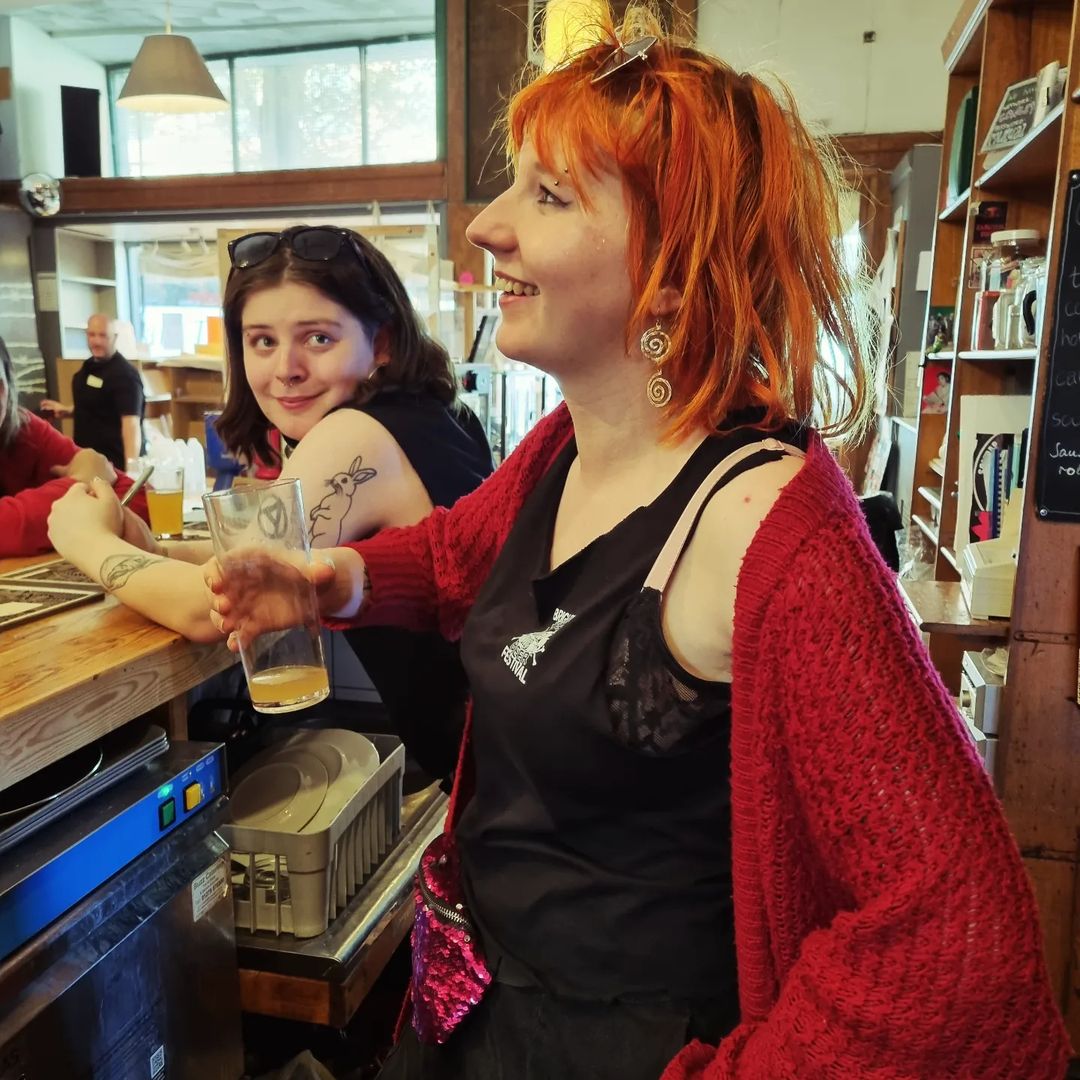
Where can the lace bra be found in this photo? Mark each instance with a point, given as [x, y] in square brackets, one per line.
[655, 706]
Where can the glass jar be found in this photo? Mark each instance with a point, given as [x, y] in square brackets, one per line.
[1011, 248]
[1032, 293]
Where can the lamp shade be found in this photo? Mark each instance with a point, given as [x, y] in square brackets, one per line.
[169, 75]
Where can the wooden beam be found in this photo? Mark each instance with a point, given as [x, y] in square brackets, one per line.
[1054, 885]
[457, 67]
[285, 189]
[497, 31]
[882, 151]
[875, 212]
[287, 997]
[459, 251]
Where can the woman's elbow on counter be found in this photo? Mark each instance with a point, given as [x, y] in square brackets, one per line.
[200, 629]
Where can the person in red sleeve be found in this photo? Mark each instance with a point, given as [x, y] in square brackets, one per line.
[716, 813]
[37, 466]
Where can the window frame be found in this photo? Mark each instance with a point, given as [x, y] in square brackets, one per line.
[231, 57]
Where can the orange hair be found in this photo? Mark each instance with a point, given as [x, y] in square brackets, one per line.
[731, 200]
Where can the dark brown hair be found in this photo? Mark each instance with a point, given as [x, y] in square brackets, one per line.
[12, 417]
[360, 279]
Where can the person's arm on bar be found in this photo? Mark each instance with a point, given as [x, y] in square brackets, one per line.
[38, 469]
[92, 531]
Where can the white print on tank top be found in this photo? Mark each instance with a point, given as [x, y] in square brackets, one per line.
[522, 652]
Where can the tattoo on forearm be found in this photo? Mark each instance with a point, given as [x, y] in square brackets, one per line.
[329, 516]
[116, 570]
[273, 518]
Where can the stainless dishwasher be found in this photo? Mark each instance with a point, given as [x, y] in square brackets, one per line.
[116, 932]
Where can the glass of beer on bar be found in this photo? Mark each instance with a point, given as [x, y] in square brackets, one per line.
[253, 526]
[165, 501]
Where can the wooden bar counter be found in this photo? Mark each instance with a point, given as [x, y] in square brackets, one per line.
[69, 678]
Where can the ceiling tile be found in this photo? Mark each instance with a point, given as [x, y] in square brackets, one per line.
[110, 31]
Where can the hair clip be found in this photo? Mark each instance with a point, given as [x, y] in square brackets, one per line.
[622, 55]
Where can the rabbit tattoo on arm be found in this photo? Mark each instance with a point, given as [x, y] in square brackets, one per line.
[329, 515]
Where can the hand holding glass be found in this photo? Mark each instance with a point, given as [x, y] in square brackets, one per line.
[261, 542]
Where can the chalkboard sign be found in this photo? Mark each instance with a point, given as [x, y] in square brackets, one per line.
[1014, 116]
[1058, 463]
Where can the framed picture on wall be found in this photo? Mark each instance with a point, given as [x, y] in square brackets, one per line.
[936, 384]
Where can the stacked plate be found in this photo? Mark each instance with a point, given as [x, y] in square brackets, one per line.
[300, 784]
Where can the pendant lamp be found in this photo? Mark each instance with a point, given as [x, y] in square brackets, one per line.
[168, 75]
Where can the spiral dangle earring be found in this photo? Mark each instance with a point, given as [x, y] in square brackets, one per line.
[656, 346]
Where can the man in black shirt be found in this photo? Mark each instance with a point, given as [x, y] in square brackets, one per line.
[108, 396]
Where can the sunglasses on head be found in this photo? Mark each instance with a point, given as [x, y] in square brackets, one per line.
[318, 243]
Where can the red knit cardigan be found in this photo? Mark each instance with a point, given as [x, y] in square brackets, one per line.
[885, 927]
[28, 488]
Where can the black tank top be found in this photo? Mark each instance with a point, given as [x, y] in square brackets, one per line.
[596, 850]
[419, 676]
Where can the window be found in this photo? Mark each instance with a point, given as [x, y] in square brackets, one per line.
[177, 288]
[316, 108]
[400, 74]
[299, 110]
[160, 144]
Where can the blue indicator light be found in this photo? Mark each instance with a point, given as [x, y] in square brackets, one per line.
[164, 792]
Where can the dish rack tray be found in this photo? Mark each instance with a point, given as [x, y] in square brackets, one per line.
[298, 883]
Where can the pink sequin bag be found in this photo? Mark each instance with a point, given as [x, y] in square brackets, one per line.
[449, 974]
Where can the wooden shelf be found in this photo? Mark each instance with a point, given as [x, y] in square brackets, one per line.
[196, 399]
[999, 354]
[937, 468]
[101, 282]
[1029, 162]
[962, 48]
[924, 526]
[957, 209]
[949, 354]
[932, 496]
[938, 607]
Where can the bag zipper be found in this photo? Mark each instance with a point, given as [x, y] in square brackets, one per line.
[447, 913]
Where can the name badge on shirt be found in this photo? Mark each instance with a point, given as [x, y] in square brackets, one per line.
[96, 381]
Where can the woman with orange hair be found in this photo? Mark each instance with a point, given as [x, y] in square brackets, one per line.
[714, 811]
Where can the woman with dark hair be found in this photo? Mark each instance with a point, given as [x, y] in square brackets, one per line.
[715, 808]
[37, 466]
[351, 272]
[332, 378]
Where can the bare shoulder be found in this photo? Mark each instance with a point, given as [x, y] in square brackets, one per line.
[355, 479]
[699, 604]
[737, 510]
[344, 434]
